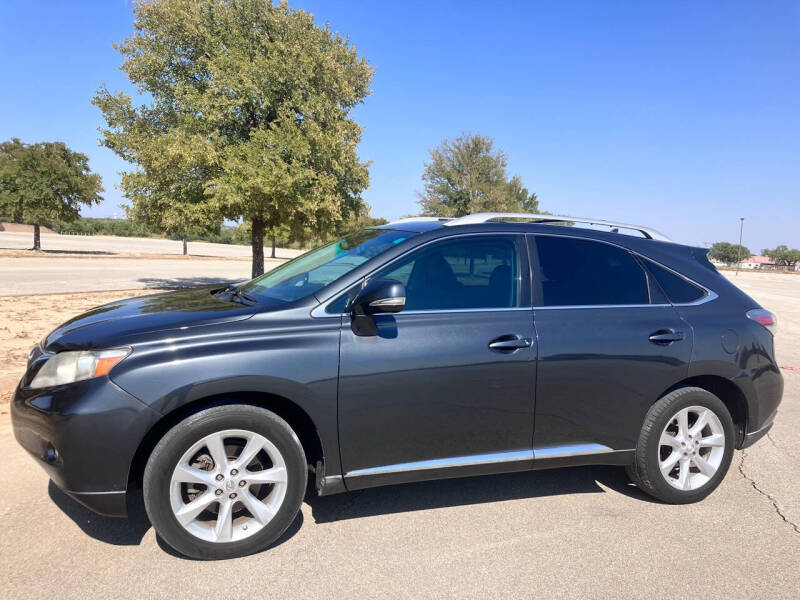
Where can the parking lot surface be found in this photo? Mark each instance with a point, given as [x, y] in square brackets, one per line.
[569, 533]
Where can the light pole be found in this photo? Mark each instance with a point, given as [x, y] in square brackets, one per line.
[739, 248]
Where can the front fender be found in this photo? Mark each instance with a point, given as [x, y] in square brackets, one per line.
[296, 359]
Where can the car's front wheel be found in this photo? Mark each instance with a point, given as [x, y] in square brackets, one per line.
[685, 446]
[225, 482]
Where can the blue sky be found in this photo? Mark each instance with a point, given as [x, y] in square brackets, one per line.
[679, 115]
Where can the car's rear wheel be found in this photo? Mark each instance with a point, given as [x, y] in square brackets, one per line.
[225, 482]
[685, 446]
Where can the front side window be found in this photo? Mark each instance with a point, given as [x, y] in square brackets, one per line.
[575, 272]
[314, 270]
[466, 273]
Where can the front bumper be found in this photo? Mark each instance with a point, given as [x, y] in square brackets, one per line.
[85, 436]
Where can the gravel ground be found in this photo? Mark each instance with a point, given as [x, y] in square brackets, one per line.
[569, 533]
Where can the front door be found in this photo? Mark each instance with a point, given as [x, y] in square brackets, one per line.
[446, 387]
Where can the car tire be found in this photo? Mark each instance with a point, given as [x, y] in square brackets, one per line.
[682, 461]
[241, 504]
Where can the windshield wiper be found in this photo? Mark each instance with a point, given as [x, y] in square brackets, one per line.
[234, 294]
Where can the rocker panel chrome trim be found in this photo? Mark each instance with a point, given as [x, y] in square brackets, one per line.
[486, 459]
[445, 463]
[571, 450]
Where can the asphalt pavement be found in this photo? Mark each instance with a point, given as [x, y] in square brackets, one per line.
[569, 533]
[98, 263]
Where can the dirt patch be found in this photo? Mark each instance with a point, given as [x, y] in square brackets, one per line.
[22, 228]
[25, 320]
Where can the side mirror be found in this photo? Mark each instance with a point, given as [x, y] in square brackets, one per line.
[380, 296]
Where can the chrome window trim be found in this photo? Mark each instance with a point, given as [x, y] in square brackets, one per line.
[446, 463]
[462, 310]
[578, 306]
[708, 297]
[709, 294]
[319, 310]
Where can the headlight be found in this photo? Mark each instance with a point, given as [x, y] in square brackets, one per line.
[66, 367]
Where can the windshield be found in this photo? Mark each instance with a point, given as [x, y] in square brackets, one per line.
[314, 270]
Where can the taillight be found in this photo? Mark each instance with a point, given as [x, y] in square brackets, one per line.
[765, 318]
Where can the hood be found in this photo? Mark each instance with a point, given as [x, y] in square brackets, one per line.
[110, 324]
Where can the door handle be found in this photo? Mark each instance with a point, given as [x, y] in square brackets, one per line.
[666, 336]
[508, 343]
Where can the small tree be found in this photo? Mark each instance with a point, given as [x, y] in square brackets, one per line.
[728, 253]
[467, 175]
[45, 181]
[250, 104]
[782, 255]
[527, 201]
[160, 203]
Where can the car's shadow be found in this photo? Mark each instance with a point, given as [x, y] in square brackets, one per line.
[119, 532]
[379, 501]
[472, 490]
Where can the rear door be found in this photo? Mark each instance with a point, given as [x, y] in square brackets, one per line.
[609, 345]
[446, 387]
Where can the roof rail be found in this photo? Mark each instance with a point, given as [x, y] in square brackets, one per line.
[420, 220]
[647, 232]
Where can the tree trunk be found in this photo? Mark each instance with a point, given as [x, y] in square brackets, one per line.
[257, 243]
[273, 244]
[185, 250]
[37, 241]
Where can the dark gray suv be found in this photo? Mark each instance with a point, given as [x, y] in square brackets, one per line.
[426, 348]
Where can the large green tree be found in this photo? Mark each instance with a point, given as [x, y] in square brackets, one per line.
[728, 253]
[45, 181]
[247, 118]
[782, 255]
[467, 175]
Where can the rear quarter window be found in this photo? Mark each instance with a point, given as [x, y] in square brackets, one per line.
[676, 288]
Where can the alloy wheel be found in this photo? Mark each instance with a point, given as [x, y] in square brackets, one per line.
[228, 485]
[691, 448]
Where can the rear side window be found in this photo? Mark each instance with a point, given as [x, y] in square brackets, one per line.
[574, 272]
[677, 289]
[477, 272]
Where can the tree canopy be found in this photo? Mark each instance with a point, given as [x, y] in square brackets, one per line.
[782, 255]
[467, 175]
[45, 181]
[248, 117]
[729, 253]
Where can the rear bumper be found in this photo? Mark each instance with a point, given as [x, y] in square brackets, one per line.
[752, 437]
[84, 435]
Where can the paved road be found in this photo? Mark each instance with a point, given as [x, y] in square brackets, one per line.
[95, 263]
[570, 533]
[58, 274]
